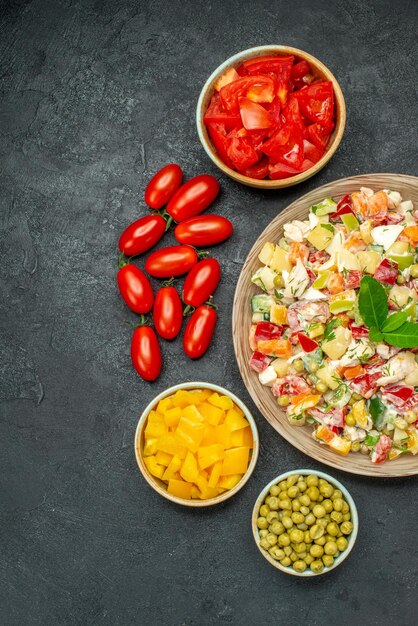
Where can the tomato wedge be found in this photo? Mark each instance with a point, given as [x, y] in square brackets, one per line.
[199, 331]
[318, 135]
[203, 230]
[142, 235]
[256, 88]
[258, 170]
[317, 103]
[201, 282]
[146, 353]
[193, 197]
[253, 115]
[218, 135]
[171, 261]
[307, 344]
[241, 150]
[281, 67]
[217, 114]
[286, 146]
[162, 185]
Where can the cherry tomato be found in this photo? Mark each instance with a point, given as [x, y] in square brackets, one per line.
[167, 313]
[171, 261]
[193, 197]
[162, 185]
[146, 353]
[203, 230]
[135, 288]
[142, 235]
[201, 282]
[199, 331]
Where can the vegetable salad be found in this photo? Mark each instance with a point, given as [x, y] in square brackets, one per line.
[334, 330]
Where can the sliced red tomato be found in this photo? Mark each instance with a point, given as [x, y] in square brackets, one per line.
[317, 103]
[358, 332]
[312, 152]
[280, 170]
[253, 115]
[300, 74]
[280, 66]
[387, 272]
[241, 150]
[381, 449]
[282, 90]
[286, 146]
[318, 135]
[218, 135]
[291, 113]
[217, 114]
[259, 170]
[306, 343]
[256, 88]
[259, 361]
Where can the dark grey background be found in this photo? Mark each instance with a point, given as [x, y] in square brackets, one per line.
[95, 97]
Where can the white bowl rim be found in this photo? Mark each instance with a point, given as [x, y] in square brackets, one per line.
[354, 519]
[254, 456]
[237, 57]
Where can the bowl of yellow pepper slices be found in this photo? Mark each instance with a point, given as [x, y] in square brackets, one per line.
[196, 444]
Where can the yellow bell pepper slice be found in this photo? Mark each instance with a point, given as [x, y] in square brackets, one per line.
[163, 405]
[235, 461]
[234, 420]
[189, 470]
[179, 489]
[181, 398]
[173, 467]
[223, 435]
[192, 414]
[208, 455]
[172, 416]
[242, 437]
[153, 467]
[170, 444]
[190, 433]
[163, 458]
[215, 474]
[228, 482]
[212, 414]
[206, 492]
[223, 402]
[150, 446]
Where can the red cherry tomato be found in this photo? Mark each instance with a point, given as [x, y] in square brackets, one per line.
[135, 288]
[193, 197]
[167, 313]
[203, 230]
[199, 331]
[163, 185]
[142, 235]
[171, 261]
[146, 353]
[201, 282]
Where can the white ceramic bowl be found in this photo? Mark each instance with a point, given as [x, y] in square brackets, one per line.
[158, 485]
[318, 69]
[350, 538]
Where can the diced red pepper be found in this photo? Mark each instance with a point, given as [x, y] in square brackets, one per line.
[387, 272]
[397, 394]
[307, 344]
[365, 384]
[352, 279]
[291, 386]
[358, 332]
[266, 330]
[374, 364]
[344, 206]
[259, 361]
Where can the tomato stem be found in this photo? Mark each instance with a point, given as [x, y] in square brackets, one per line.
[202, 254]
[143, 321]
[211, 303]
[122, 261]
[169, 283]
[188, 309]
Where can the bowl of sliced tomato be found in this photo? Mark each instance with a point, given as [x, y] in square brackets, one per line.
[271, 116]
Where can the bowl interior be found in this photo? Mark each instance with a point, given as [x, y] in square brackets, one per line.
[161, 487]
[351, 538]
[319, 70]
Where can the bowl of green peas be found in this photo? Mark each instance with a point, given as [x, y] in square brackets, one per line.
[305, 523]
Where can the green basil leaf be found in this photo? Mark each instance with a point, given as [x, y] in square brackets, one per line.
[372, 302]
[393, 322]
[406, 336]
[375, 334]
[377, 411]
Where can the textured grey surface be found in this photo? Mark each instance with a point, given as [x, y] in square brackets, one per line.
[95, 96]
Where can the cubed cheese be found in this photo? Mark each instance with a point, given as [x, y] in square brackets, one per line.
[268, 376]
[386, 235]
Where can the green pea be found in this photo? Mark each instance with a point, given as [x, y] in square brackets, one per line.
[277, 553]
[337, 517]
[264, 510]
[293, 491]
[328, 560]
[302, 526]
[298, 518]
[298, 365]
[346, 528]
[327, 490]
[346, 508]
[316, 531]
[285, 504]
[312, 480]
[313, 493]
[299, 566]
[299, 547]
[287, 522]
[309, 559]
[305, 499]
[287, 550]
[272, 516]
[262, 522]
[277, 528]
[286, 561]
[302, 485]
[332, 529]
[310, 519]
[319, 511]
[317, 566]
[273, 503]
[307, 537]
[342, 543]
[284, 539]
[346, 517]
[330, 548]
[328, 506]
[263, 533]
[321, 541]
[274, 490]
[337, 494]
[292, 480]
[272, 539]
[265, 544]
[296, 505]
[304, 510]
[316, 551]
[278, 281]
[296, 536]
[338, 504]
